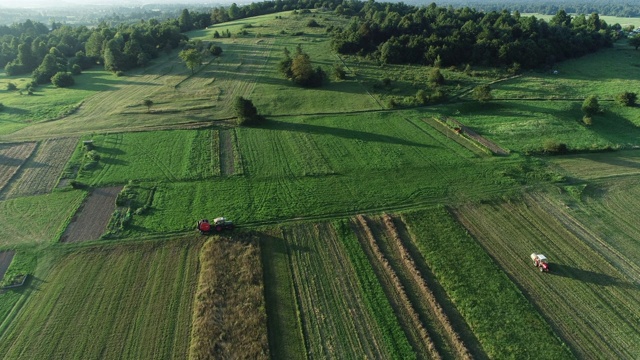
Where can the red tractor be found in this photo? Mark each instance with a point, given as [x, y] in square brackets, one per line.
[540, 261]
[219, 224]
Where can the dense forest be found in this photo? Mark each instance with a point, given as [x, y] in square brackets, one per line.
[389, 32]
[602, 7]
[400, 34]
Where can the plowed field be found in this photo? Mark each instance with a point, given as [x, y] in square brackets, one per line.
[12, 156]
[591, 300]
[40, 173]
[93, 216]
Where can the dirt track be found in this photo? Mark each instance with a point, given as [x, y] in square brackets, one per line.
[93, 216]
[5, 261]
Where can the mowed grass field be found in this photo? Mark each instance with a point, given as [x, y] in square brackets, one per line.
[132, 301]
[591, 286]
[37, 219]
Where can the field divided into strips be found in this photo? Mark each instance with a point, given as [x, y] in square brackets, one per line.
[332, 311]
[158, 155]
[122, 302]
[327, 166]
[594, 306]
[425, 321]
[12, 157]
[229, 318]
[37, 219]
[504, 322]
[41, 172]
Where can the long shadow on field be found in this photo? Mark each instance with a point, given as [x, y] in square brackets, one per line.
[589, 276]
[340, 132]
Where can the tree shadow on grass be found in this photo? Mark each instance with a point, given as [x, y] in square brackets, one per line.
[339, 132]
[588, 276]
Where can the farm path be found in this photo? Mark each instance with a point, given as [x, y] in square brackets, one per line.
[5, 261]
[93, 216]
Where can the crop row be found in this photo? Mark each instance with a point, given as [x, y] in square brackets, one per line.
[12, 157]
[501, 318]
[423, 290]
[332, 306]
[394, 337]
[41, 172]
[408, 317]
[109, 302]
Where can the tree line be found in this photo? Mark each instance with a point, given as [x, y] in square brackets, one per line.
[401, 34]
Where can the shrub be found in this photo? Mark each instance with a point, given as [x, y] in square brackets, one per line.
[627, 98]
[554, 147]
[11, 86]
[312, 23]
[215, 50]
[338, 72]
[590, 105]
[119, 73]
[422, 97]
[482, 93]
[587, 120]
[76, 69]
[62, 79]
[1, 106]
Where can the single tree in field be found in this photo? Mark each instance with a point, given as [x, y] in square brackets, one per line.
[590, 106]
[192, 58]
[482, 93]
[627, 98]
[635, 41]
[246, 112]
[148, 103]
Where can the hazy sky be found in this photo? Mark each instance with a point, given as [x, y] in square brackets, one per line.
[64, 3]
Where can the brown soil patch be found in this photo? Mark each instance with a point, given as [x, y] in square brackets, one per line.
[93, 216]
[227, 166]
[5, 261]
[12, 156]
[497, 150]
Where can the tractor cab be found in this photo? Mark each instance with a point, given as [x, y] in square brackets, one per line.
[540, 261]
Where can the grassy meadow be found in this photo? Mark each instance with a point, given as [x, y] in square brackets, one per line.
[315, 254]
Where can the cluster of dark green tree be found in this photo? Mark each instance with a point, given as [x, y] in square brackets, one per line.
[400, 34]
[300, 70]
[33, 48]
[603, 7]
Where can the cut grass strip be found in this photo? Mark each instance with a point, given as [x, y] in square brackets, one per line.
[394, 337]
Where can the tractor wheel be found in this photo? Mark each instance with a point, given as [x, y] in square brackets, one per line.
[219, 228]
[541, 269]
[230, 227]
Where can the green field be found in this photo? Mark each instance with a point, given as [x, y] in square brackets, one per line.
[37, 219]
[364, 227]
[123, 301]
